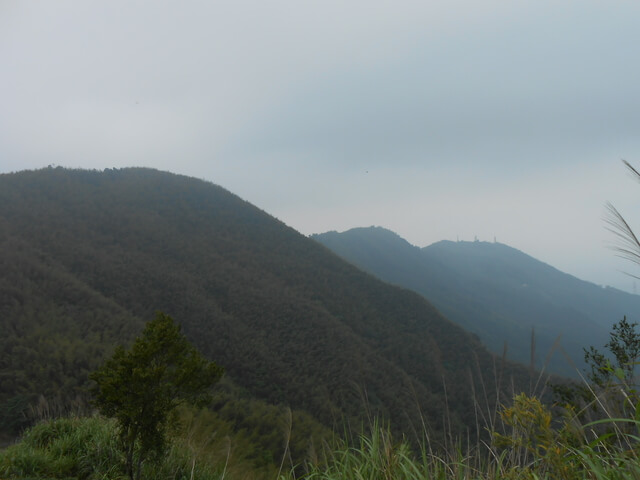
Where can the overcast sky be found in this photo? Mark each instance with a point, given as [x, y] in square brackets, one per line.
[436, 119]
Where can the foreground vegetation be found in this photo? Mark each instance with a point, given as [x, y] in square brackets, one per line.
[530, 446]
[591, 432]
[88, 448]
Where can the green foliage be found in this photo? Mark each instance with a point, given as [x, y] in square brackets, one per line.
[14, 414]
[532, 446]
[261, 434]
[88, 449]
[66, 447]
[532, 439]
[624, 347]
[375, 456]
[610, 386]
[143, 386]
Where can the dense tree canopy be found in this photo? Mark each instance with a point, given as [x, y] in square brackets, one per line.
[90, 254]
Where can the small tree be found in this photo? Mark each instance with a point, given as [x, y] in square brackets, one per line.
[620, 366]
[611, 383]
[141, 388]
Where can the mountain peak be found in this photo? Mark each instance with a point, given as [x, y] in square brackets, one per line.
[496, 291]
[87, 256]
[372, 231]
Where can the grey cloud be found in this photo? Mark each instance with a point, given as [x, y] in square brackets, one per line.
[503, 92]
[431, 118]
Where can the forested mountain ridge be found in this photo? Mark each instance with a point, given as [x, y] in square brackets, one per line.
[87, 257]
[495, 291]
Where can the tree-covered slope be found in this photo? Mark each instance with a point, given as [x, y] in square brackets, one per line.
[495, 291]
[89, 256]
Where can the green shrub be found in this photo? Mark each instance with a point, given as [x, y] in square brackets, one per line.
[87, 448]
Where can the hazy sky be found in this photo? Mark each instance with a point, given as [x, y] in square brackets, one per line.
[436, 119]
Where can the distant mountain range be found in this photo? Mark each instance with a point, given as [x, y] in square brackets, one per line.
[87, 257]
[496, 292]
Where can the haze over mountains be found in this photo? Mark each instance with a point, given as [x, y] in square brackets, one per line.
[495, 291]
[87, 257]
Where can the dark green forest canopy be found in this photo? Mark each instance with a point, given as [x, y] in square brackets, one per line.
[88, 256]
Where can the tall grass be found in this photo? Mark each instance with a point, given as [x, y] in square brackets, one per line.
[532, 449]
[529, 445]
[525, 439]
[87, 448]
